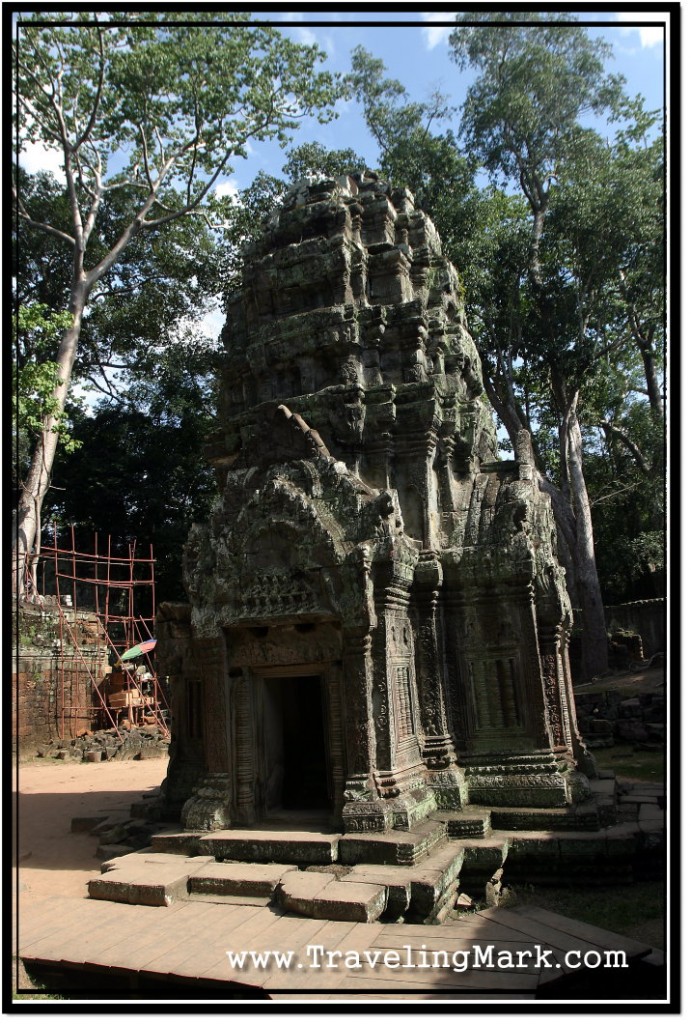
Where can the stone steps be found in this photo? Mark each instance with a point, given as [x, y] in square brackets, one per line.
[423, 890]
[414, 876]
[230, 879]
[394, 847]
[326, 897]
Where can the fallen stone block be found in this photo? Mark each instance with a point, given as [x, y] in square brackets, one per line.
[153, 880]
[396, 880]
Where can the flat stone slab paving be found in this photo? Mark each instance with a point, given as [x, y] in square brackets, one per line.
[213, 944]
[265, 847]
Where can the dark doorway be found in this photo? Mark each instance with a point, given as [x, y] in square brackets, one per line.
[294, 743]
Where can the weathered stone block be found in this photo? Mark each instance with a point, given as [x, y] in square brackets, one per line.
[239, 879]
[290, 848]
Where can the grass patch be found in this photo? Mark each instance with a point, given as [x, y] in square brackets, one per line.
[621, 908]
[630, 764]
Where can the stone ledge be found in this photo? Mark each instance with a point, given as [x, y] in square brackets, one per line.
[267, 847]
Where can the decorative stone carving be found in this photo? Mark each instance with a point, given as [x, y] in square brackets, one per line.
[371, 563]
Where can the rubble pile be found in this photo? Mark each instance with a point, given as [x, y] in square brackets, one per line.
[133, 744]
[610, 717]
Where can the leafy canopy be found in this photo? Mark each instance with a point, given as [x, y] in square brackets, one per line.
[535, 84]
[160, 98]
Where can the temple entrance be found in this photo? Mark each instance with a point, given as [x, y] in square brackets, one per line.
[294, 744]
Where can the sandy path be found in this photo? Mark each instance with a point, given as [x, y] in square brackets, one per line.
[52, 859]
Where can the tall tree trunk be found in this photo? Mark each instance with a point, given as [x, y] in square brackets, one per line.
[594, 637]
[649, 368]
[27, 537]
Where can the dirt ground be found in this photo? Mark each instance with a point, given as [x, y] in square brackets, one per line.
[52, 859]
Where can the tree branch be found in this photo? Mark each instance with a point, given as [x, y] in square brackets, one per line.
[40, 225]
[97, 99]
[612, 431]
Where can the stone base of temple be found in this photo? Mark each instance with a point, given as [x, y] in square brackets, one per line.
[403, 811]
[417, 875]
[525, 781]
[450, 788]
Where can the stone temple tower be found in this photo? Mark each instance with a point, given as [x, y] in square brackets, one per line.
[378, 624]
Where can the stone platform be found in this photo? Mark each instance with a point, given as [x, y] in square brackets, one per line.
[414, 876]
[82, 947]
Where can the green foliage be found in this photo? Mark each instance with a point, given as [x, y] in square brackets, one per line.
[419, 154]
[147, 111]
[314, 158]
[36, 331]
[562, 258]
[136, 476]
[178, 101]
[534, 85]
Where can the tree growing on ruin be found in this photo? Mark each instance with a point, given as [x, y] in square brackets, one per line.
[155, 108]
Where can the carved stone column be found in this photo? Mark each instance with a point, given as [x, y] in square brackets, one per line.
[362, 812]
[444, 775]
[210, 805]
[560, 709]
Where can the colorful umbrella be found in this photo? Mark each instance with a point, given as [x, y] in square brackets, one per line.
[135, 652]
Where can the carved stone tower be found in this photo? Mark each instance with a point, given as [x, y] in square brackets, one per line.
[379, 625]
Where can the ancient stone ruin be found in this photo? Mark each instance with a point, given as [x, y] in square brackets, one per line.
[378, 624]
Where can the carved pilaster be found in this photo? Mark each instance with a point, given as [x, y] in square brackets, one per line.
[438, 747]
[245, 746]
[584, 759]
[209, 807]
[358, 713]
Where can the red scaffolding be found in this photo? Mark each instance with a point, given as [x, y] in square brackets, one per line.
[120, 592]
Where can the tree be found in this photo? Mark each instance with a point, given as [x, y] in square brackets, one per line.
[415, 150]
[154, 109]
[139, 471]
[314, 158]
[523, 117]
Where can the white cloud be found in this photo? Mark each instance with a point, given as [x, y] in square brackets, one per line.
[212, 323]
[306, 36]
[648, 35]
[37, 157]
[230, 188]
[436, 34]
